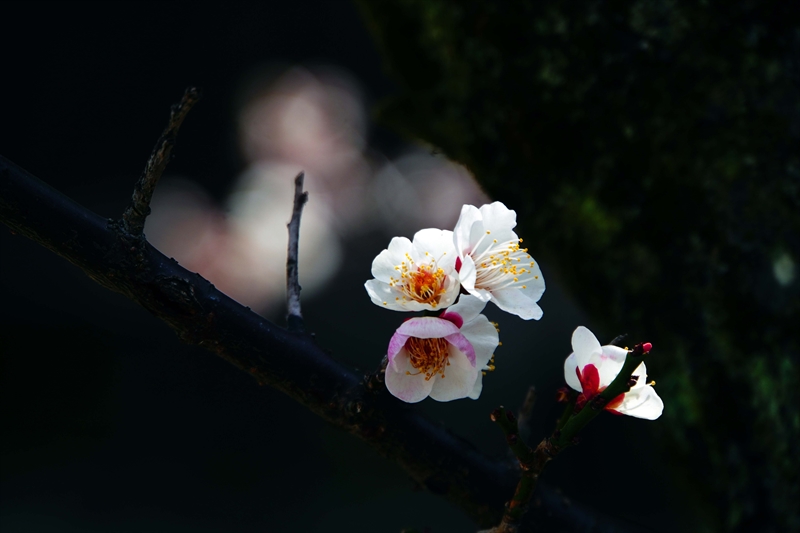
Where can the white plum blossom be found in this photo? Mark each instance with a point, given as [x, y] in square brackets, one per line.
[492, 266]
[441, 357]
[416, 276]
[591, 368]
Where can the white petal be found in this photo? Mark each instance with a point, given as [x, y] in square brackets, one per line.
[477, 388]
[412, 387]
[434, 244]
[517, 303]
[459, 379]
[463, 230]
[467, 274]
[496, 216]
[452, 290]
[607, 367]
[641, 373]
[584, 344]
[643, 403]
[385, 296]
[383, 267]
[484, 339]
[398, 248]
[427, 327]
[468, 308]
[569, 373]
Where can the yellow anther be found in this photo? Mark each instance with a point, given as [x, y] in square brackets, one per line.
[652, 383]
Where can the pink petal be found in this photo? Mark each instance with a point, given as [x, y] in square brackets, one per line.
[464, 346]
[427, 327]
[411, 387]
[455, 318]
[590, 380]
[459, 380]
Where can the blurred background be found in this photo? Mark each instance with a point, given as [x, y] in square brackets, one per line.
[111, 424]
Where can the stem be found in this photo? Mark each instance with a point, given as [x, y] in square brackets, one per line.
[294, 318]
[134, 217]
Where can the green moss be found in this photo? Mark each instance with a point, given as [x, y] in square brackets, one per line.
[661, 137]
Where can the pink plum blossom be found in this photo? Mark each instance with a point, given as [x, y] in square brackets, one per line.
[416, 276]
[441, 357]
[591, 368]
[491, 264]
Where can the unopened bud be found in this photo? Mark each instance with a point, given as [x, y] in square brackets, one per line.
[646, 347]
[510, 416]
[632, 381]
[512, 439]
[495, 415]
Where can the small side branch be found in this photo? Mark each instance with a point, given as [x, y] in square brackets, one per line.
[135, 215]
[532, 463]
[294, 317]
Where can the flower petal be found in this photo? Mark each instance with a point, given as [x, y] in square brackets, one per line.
[643, 403]
[569, 372]
[396, 344]
[516, 302]
[459, 380]
[483, 337]
[607, 366]
[464, 346]
[434, 244]
[427, 327]
[468, 274]
[461, 234]
[383, 266]
[584, 344]
[589, 376]
[405, 382]
[497, 216]
[385, 296]
[478, 387]
[468, 307]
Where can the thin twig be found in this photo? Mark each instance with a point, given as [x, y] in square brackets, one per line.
[137, 212]
[531, 462]
[294, 317]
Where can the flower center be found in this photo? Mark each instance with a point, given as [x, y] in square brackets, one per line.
[425, 283]
[428, 356]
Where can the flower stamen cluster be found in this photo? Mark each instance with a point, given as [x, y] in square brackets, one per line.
[425, 283]
[428, 356]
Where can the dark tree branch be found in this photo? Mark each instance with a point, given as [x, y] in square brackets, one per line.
[294, 316]
[289, 361]
[137, 212]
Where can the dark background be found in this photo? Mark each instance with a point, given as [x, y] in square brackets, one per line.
[110, 423]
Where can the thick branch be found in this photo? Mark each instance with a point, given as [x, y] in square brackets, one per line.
[294, 316]
[137, 212]
[288, 361]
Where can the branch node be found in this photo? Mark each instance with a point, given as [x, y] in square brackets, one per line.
[294, 316]
[134, 216]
